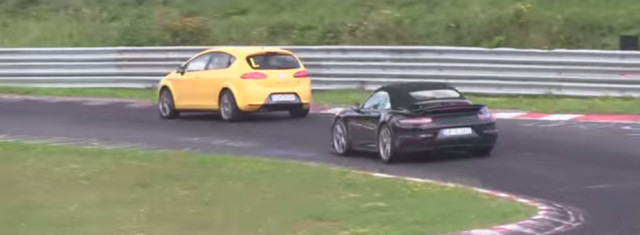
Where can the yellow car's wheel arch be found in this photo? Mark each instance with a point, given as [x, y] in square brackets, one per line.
[167, 86]
[166, 103]
[237, 95]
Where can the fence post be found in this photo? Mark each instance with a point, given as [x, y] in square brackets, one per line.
[629, 42]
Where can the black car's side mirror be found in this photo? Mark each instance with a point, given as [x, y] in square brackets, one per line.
[180, 70]
[356, 107]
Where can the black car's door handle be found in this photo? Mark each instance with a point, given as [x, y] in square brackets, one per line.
[373, 113]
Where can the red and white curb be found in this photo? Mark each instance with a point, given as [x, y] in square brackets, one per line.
[551, 218]
[615, 118]
[619, 118]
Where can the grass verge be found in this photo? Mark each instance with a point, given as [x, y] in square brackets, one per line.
[550, 104]
[140, 94]
[72, 190]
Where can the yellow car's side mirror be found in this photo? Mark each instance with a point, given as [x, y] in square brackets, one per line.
[181, 70]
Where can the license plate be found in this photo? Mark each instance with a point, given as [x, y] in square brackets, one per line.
[283, 97]
[457, 131]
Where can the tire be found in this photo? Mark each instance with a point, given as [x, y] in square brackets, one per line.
[299, 113]
[340, 143]
[386, 149]
[166, 105]
[229, 110]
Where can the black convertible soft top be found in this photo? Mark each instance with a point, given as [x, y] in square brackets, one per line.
[400, 96]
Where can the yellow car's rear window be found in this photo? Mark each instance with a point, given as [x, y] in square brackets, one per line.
[273, 61]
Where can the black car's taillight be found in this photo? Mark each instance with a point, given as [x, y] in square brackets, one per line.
[484, 114]
[414, 122]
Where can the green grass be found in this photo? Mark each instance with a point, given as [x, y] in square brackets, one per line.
[607, 105]
[65, 190]
[139, 94]
[594, 24]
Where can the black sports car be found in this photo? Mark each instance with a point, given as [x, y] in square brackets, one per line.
[414, 117]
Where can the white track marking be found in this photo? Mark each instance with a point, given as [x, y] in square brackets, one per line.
[560, 117]
[508, 115]
[96, 103]
[140, 105]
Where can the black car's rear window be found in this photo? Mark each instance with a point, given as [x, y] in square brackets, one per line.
[434, 94]
[273, 61]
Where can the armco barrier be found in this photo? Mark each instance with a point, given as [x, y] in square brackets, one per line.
[473, 70]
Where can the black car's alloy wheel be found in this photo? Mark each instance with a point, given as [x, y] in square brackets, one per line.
[166, 106]
[386, 149]
[340, 138]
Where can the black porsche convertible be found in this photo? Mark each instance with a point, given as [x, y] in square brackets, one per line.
[414, 117]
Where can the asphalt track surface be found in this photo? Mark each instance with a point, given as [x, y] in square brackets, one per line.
[593, 168]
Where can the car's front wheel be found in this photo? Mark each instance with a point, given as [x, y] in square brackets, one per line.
[166, 105]
[228, 107]
[386, 148]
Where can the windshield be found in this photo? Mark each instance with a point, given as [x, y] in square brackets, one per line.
[273, 61]
[434, 94]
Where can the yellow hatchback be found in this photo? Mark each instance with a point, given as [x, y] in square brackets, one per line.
[237, 80]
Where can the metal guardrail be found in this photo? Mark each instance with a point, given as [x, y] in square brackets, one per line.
[473, 70]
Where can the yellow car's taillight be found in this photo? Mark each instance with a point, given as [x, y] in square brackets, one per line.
[301, 74]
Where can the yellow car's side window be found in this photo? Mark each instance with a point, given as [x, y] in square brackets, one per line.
[198, 64]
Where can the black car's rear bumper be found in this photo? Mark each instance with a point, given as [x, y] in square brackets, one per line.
[409, 141]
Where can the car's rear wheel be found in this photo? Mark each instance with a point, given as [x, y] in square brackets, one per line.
[166, 105]
[299, 113]
[386, 148]
[340, 138]
[228, 107]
